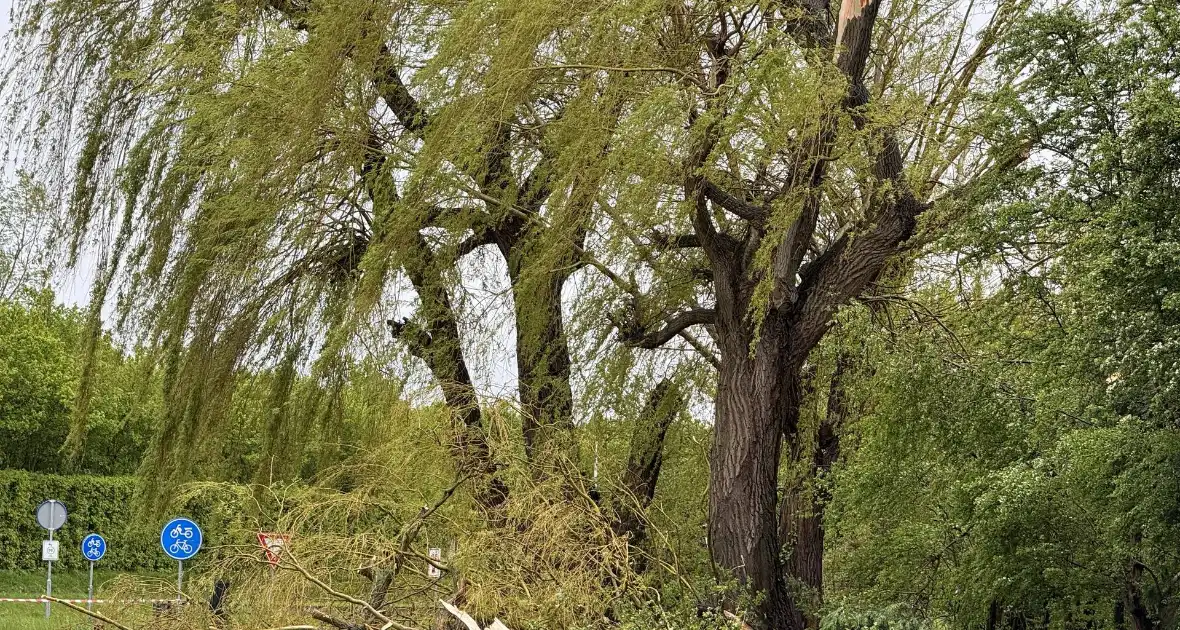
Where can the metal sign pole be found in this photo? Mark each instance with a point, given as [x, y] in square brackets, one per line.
[49, 571]
[179, 581]
[51, 519]
[90, 591]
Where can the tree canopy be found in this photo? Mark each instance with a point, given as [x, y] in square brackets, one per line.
[856, 312]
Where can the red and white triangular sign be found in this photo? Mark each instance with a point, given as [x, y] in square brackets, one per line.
[272, 544]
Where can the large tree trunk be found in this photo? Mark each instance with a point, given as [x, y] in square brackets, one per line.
[542, 360]
[1141, 618]
[753, 393]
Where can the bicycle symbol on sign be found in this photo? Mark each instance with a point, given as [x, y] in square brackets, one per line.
[94, 547]
[181, 539]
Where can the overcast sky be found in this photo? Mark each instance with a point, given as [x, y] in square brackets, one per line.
[72, 286]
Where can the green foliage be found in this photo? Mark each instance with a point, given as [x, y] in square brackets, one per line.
[1013, 457]
[26, 223]
[106, 505]
[888, 619]
[1018, 462]
[39, 373]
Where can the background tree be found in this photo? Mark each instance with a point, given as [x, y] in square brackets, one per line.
[26, 218]
[1021, 472]
[39, 373]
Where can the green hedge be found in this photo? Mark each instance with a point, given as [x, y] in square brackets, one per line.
[105, 505]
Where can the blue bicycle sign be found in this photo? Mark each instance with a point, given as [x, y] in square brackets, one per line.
[181, 539]
[94, 547]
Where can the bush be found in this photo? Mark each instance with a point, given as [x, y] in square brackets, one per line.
[105, 505]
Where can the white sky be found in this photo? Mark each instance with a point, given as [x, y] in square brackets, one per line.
[72, 286]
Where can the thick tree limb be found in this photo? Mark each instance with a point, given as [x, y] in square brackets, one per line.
[674, 241]
[701, 349]
[438, 343]
[335, 622]
[397, 96]
[810, 22]
[742, 208]
[815, 154]
[633, 334]
[482, 237]
[852, 263]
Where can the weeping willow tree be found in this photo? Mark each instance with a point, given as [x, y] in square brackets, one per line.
[796, 145]
[271, 181]
[273, 177]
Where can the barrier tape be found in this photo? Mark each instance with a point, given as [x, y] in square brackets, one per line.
[42, 600]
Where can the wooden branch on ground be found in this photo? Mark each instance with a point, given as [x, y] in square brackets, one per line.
[389, 623]
[88, 613]
[335, 622]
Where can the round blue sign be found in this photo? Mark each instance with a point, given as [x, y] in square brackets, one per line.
[180, 538]
[94, 547]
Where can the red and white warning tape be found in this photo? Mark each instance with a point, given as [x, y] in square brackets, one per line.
[41, 600]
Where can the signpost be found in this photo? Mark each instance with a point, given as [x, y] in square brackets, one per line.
[432, 570]
[51, 515]
[94, 547]
[181, 540]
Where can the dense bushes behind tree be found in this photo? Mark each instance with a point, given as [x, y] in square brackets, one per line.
[105, 505]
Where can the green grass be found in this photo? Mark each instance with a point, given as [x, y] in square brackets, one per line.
[66, 584]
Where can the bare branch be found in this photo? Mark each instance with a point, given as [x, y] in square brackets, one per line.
[685, 76]
[674, 241]
[701, 349]
[88, 613]
[292, 562]
[742, 208]
[635, 335]
[485, 236]
[397, 96]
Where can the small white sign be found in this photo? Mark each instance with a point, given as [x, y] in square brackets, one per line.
[49, 549]
[432, 571]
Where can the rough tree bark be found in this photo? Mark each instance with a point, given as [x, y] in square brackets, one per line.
[761, 368]
[760, 384]
[801, 526]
